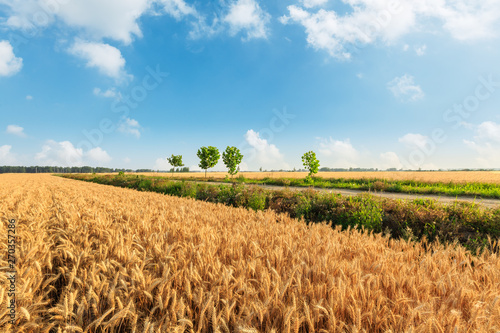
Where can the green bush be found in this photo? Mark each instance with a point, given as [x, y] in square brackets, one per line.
[188, 189]
[257, 200]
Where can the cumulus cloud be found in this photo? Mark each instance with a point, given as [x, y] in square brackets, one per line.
[341, 153]
[15, 130]
[390, 160]
[372, 21]
[130, 126]
[29, 97]
[118, 20]
[261, 153]
[488, 131]
[64, 153]
[60, 153]
[413, 141]
[405, 89]
[106, 58]
[486, 144]
[9, 63]
[115, 19]
[6, 157]
[248, 16]
[98, 155]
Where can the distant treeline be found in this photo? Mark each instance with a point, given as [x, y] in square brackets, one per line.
[84, 169]
[87, 169]
[53, 169]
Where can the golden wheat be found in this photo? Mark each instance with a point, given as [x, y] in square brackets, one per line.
[95, 258]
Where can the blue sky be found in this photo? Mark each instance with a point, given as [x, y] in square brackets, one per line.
[126, 83]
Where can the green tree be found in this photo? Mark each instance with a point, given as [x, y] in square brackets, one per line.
[310, 162]
[175, 161]
[209, 156]
[232, 158]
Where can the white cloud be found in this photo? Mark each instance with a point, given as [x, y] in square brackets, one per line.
[9, 63]
[489, 131]
[127, 160]
[413, 141]
[16, 130]
[262, 153]
[29, 97]
[488, 153]
[372, 21]
[390, 160]
[110, 93]
[248, 16]
[60, 154]
[65, 154]
[115, 19]
[178, 8]
[341, 153]
[420, 50]
[486, 144]
[405, 88]
[162, 164]
[406, 47]
[130, 126]
[468, 20]
[313, 3]
[6, 157]
[98, 155]
[106, 58]
[200, 28]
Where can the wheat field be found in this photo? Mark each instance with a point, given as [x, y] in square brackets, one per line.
[95, 258]
[423, 176]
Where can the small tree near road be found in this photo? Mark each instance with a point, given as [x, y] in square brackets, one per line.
[232, 158]
[209, 156]
[310, 162]
[175, 161]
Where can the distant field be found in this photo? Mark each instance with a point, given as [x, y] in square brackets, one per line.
[96, 258]
[492, 177]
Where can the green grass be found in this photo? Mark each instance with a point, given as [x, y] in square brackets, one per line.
[421, 220]
[477, 190]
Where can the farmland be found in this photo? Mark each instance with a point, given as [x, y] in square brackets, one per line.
[469, 223]
[95, 258]
[479, 184]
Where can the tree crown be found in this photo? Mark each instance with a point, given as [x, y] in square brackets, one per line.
[232, 158]
[175, 160]
[310, 162]
[209, 156]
